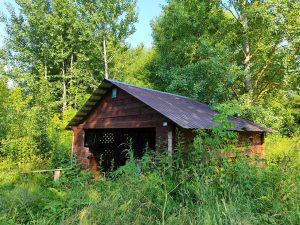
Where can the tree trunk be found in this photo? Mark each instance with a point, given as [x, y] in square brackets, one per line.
[76, 85]
[45, 68]
[247, 65]
[246, 49]
[105, 58]
[71, 63]
[64, 108]
[64, 95]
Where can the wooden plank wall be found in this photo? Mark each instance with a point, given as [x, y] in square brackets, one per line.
[125, 111]
[82, 153]
[256, 141]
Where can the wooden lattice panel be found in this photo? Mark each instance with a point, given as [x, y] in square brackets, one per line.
[107, 138]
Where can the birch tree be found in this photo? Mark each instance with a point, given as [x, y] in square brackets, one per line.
[242, 51]
[268, 33]
[109, 23]
[70, 44]
[252, 43]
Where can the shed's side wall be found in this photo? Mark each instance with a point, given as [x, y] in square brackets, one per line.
[82, 153]
[255, 141]
[124, 111]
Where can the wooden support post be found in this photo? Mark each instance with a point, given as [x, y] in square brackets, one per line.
[170, 142]
[56, 175]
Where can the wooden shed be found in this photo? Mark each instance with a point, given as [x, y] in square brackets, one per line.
[118, 112]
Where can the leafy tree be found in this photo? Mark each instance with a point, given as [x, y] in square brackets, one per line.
[241, 51]
[134, 66]
[210, 46]
[58, 41]
[267, 35]
[108, 24]
[4, 92]
[193, 55]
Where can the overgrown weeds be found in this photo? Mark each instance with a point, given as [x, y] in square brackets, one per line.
[193, 188]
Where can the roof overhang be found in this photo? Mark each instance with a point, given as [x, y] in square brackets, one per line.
[90, 104]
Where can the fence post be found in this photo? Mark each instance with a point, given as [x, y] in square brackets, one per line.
[57, 175]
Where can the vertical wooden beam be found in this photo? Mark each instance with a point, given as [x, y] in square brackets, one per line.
[170, 142]
[72, 150]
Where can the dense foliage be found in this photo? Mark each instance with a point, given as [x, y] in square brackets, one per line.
[245, 52]
[59, 44]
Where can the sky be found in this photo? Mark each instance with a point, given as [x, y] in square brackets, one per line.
[147, 10]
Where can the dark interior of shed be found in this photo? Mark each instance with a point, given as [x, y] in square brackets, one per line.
[109, 146]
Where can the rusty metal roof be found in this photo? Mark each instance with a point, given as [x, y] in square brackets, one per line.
[185, 112]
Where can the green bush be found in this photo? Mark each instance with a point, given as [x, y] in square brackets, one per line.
[19, 149]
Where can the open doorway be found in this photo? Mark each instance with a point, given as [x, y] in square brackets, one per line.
[109, 146]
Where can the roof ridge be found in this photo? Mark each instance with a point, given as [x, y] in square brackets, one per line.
[150, 89]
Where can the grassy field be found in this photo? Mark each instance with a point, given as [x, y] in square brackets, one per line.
[165, 193]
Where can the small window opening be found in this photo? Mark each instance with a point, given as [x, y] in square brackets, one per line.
[114, 93]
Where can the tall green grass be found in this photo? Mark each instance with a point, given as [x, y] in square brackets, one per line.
[282, 148]
[168, 191]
